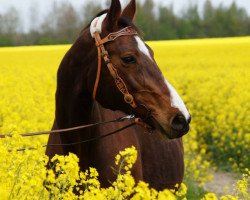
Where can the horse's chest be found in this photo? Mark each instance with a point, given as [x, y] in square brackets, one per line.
[163, 163]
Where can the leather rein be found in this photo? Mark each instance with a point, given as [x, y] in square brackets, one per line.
[120, 84]
[120, 119]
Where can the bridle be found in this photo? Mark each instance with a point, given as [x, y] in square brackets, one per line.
[120, 84]
[102, 53]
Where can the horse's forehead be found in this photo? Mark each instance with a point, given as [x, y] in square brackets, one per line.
[142, 47]
[133, 42]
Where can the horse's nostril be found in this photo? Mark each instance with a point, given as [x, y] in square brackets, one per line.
[179, 122]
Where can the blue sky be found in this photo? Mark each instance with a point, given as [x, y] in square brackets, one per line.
[42, 7]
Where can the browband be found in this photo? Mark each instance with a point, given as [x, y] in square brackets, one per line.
[112, 36]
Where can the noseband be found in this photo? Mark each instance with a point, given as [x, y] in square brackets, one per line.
[102, 53]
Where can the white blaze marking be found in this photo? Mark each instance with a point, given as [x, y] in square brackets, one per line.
[96, 24]
[142, 47]
[176, 101]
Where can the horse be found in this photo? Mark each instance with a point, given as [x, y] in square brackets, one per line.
[108, 72]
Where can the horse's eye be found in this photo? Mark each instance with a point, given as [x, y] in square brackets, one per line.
[129, 59]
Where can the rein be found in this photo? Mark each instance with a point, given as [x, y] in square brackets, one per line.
[95, 138]
[128, 98]
[120, 119]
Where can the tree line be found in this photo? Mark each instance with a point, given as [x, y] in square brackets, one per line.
[63, 23]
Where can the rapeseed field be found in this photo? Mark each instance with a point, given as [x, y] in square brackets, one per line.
[211, 75]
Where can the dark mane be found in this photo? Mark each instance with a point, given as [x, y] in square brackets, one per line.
[99, 14]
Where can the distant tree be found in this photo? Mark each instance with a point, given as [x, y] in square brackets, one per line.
[145, 19]
[208, 17]
[67, 22]
[10, 22]
[61, 25]
[167, 23]
[192, 25]
[89, 10]
[219, 22]
[10, 26]
[1, 23]
[237, 20]
[33, 35]
[225, 21]
[48, 24]
[63, 22]
[34, 21]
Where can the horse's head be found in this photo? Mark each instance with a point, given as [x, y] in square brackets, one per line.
[135, 65]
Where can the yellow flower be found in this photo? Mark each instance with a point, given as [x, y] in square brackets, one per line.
[210, 196]
[212, 77]
[182, 190]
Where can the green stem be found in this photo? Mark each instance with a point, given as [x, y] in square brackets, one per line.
[15, 181]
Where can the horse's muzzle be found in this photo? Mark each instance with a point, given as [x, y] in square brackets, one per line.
[178, 127]
[180, 124]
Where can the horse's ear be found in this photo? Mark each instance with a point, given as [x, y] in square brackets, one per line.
[113, 14]
[129, 10]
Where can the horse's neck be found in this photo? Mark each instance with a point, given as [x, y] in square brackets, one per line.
[100, 114]
[72, 109]
[73, 101]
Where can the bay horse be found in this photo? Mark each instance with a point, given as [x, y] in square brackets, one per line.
[102, 79]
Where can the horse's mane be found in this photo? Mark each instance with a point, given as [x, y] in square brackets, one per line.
[99, 14]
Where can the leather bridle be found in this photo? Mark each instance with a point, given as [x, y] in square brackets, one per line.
[102, 53]
[120, 84]
[128, 98]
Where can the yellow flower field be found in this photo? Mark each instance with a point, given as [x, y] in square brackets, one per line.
[212, 76]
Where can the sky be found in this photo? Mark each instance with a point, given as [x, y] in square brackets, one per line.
[42, 7]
